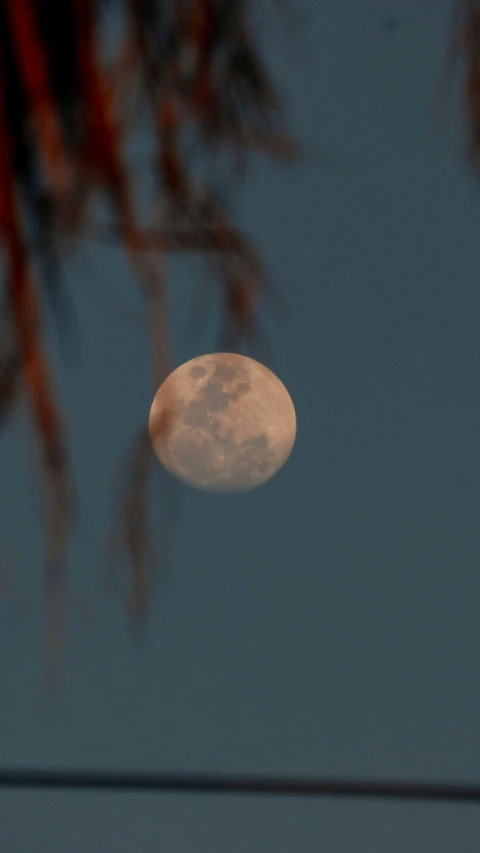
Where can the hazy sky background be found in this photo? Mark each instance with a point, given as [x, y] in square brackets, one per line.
[326, 623]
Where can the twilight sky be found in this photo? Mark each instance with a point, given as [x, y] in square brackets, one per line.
[326, 623]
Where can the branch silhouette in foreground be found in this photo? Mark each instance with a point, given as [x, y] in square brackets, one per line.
[194, 71]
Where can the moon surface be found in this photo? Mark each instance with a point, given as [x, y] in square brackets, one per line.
[222, 422]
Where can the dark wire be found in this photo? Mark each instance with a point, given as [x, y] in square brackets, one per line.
[226, 784]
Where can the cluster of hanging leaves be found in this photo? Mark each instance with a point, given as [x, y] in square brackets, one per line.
[466, 40]
[464, 45]
[65, 118]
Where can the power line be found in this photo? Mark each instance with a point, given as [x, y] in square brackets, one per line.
[65, 780]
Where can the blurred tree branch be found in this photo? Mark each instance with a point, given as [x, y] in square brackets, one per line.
[66, 114]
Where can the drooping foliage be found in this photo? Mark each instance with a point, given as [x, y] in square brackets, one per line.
[66, 113]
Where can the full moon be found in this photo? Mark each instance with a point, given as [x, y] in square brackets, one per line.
[222, 423]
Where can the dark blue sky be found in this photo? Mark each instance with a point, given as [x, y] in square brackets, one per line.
[326, 623]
